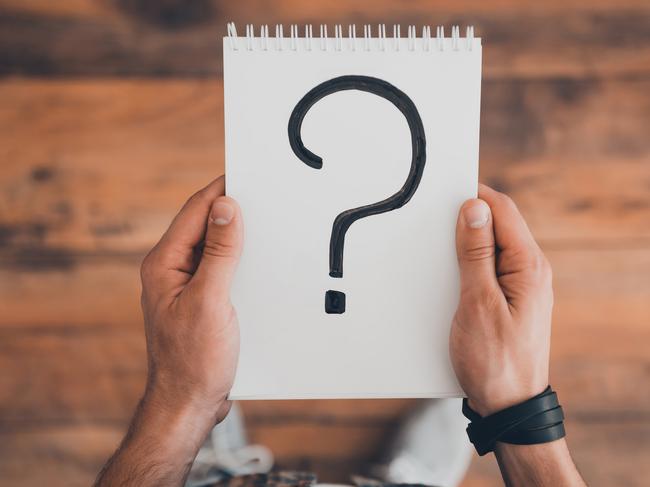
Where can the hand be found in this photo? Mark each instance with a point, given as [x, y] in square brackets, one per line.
[192, 343]
[500, 336]
[191, 326]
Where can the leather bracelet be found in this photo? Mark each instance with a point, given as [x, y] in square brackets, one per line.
[538, 420]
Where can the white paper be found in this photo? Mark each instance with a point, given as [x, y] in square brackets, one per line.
[400, 269]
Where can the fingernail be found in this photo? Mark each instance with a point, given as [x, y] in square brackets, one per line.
[477, 214]
[222, 213]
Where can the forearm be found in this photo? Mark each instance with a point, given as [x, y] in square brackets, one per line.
[159, 448]
[543, 465]
[192, 342]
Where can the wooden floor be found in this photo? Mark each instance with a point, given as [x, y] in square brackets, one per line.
[111, 113]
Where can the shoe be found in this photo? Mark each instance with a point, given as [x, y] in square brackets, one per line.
[430, 448]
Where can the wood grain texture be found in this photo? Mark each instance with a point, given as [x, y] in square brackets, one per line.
[608, 454]
[73, 455]
[115, 159]
[120, 119]
[79, 336]
[176, 38]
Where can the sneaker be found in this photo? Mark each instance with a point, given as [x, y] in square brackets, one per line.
[430, 448]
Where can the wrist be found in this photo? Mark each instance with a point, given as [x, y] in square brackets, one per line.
[539, 419]
[548, 451]
[178, 426]
[498, 401]
[170, 397]
[195, 412]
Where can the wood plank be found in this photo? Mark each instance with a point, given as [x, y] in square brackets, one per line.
[595, 289]
[114, 162]
[91, 340]
[116, 159]
[97, 291]
[570, 39]
[285, 7]
[65, 456]
[602, 295]
[599, 291]
[613, 453]
[72, 455]
[94, 169]
[323, 442]
[606, 454]
[95, 376]
[70, 375]
[362, 412]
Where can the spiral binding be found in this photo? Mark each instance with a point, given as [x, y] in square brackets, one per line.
[249, 42]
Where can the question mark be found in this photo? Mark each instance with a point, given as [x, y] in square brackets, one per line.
[335, 300]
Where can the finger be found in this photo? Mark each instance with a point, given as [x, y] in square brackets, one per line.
[510, 229]
[475, 247]
[222, 247]
[521, 262]
[172, 261]
[188, 227]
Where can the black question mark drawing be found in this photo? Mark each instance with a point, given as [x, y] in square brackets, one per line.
[335, 300]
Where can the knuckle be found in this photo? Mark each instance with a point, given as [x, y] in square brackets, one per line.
[503, 197]
[488, 299]
[539, 268]
[481, 299]
[147, 266]
[545, 270]
[219, 248]
[546, 265]
[508, 201]
[478, 252]
[149, 269]
[198, 197]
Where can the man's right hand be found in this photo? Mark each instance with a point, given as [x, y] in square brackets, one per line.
[500, 338]
[501, 333]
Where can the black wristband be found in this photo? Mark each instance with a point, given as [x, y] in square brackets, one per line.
[538, 420]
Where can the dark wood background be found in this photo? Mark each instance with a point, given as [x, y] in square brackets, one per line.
[111, 114]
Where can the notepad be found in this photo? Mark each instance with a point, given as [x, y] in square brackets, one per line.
[350, 156]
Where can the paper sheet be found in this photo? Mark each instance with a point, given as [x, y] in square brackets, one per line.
[400, 270]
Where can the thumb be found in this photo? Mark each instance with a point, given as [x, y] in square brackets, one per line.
[221, 250]
[475, 248]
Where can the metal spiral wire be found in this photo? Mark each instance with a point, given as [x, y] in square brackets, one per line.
[294, 42]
